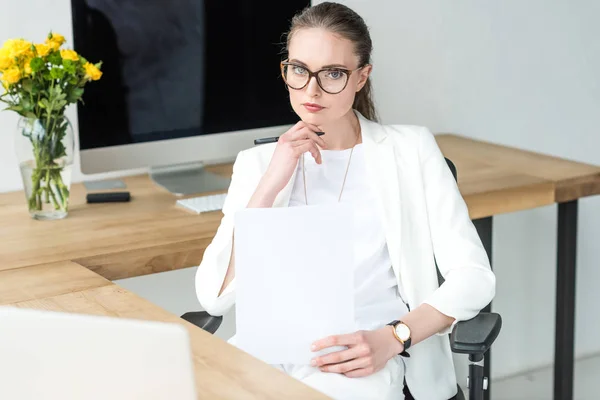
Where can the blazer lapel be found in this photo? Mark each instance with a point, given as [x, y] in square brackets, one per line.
[382, 169]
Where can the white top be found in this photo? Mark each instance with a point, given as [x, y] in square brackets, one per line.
[377, 297]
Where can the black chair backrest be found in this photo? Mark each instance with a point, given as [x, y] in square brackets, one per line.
[452, 168]
[455, 174]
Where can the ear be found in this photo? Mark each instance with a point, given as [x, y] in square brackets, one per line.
[364, 73]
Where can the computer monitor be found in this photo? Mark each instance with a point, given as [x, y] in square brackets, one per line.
[185, 83]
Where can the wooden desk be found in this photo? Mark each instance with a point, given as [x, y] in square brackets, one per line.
[151, 235]
[221, 370]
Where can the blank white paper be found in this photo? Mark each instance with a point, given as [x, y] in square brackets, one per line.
[294, 280]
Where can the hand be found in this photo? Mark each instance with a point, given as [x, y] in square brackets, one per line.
[367, 352]
[299, 139]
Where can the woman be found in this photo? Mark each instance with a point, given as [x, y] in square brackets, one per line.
[405, 199]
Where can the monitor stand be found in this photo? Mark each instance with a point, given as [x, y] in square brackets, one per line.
[186, 179]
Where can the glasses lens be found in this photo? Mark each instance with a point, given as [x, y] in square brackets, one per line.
[295, 76]
[333, 80]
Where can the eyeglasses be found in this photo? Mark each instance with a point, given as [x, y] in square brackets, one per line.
[331, 80]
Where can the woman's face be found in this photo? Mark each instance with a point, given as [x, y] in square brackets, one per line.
[315, 49]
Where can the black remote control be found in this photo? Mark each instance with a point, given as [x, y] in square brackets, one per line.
[108, 197]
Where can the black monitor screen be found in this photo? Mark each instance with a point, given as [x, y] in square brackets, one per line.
[179, 68]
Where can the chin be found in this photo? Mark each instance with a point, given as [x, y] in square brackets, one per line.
[320, 118]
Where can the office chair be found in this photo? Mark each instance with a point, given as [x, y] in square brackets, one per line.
[473, 337]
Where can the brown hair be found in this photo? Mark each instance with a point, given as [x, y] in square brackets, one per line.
[339, 19]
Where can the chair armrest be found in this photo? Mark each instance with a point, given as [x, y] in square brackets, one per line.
[203, 320]
[476, 335]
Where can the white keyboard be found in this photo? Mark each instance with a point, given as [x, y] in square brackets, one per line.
[203, 203]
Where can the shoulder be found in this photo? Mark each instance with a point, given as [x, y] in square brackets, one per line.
[413, 138]
[405, 135]
[406, 132]
[255, 158]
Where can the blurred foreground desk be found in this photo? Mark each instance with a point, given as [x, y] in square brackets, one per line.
[221, 370]
[150, 234]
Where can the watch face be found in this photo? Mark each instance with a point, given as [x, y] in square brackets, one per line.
[403, 332]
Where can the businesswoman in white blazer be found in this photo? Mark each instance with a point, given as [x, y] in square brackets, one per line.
[406, 202]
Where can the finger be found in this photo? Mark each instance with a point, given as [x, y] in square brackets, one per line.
[308, 145]
[359, 373]
[287, 135]
[306, 133]
[337, 340]
[359, 363]
[338, 357]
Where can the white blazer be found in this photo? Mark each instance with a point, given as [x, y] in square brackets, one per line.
[423, 214]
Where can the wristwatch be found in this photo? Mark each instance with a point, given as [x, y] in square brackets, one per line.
[402, 333]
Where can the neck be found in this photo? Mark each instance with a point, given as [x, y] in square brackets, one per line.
[342, 133]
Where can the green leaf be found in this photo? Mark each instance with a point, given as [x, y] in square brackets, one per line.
[37, 64]
[59, 150]
[29, 114]
[43, 103]
[55, 58]
[37, 85]
[57, 73]
[74, 94]
[69, 67]
[27, 104]
[14, 108]
[27, 85]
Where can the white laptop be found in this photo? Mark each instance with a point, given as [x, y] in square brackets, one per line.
[48, 355]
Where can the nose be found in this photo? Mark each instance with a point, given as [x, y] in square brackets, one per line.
[313, 89]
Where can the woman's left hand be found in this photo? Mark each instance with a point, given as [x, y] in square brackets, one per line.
[367, 352]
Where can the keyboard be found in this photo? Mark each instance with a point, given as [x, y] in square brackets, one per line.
[203, 203]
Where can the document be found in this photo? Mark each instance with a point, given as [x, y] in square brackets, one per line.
[294, 271]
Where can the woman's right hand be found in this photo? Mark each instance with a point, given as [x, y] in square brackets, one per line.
[299, 139]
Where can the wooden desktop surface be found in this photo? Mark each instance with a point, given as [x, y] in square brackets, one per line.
[150, 234]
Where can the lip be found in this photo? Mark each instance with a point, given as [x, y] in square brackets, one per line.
[312, 107]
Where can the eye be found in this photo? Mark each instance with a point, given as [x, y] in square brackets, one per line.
[298, 70]
[334, 74]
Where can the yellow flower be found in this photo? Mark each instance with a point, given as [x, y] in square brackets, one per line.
[27, 67]
[5, 60]
[12, 75]
[92, 72]
[55, 40]
[17, 48]
[69, 55]
[43, 49]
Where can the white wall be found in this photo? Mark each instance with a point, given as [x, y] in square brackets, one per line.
[32, 20]
[520, 73]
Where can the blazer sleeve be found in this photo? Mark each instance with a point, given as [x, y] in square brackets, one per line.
[211, 271]
[462, 260]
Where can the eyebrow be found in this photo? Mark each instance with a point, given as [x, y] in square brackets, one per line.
[293, 60]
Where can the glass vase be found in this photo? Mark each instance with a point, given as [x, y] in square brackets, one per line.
[45, 150]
